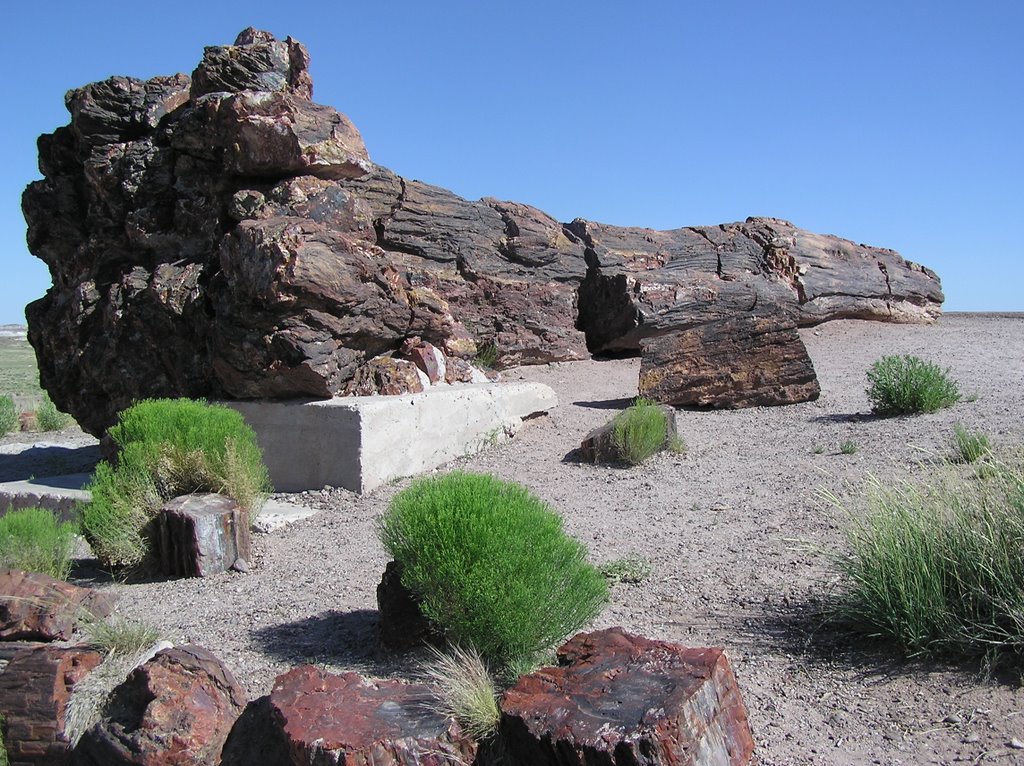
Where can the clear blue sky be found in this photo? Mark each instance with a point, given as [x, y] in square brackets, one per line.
[898, 124]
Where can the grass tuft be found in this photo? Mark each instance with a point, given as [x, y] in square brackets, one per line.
[938, 567]
[464, 688]
[8, 415]
[487, 355]
[849, 448]
[120, 636]
[906, 385]
[49, 418]
[630, 570]
[970, 446]
[492, 566]
[640, 431]
[33, 540]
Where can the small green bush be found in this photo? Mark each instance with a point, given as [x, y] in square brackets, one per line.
[630, 570]
[906, 385]
[848, 448]
[639, 431]
[169, 447]
[492, 566]
[8, 415]
[31, 539]
[970, 446]
[49, 418]
[938, 567]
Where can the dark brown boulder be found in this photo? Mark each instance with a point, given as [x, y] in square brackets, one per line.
[744, 361]
[616, 699]
[347, 719]
[36, 607]
[200, 535]
[402, 624]
[35, 689]
[177, 708]
[223, 236]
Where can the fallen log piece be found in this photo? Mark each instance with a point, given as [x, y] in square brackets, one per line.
[201, 535]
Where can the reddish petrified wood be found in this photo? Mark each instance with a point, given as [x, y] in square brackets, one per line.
[34, 693]
[620, 700]
[176, 709]
[36, 606]
[347, 719]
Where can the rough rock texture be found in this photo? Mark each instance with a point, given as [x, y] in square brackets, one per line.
[201, 535]
[347, 719]
[598, 446]
[402, 624]
[741, 361]
[620, 700]
[34, 692]
[178, 708]
[35, 606]
[221, 235]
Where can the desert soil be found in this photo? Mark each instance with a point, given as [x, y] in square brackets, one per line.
[731, 529]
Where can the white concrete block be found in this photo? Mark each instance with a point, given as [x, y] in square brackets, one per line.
[361, 442]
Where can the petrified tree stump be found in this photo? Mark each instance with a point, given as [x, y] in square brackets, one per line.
[402, 624]
[619, 700]
[35, 606]
[34, 693]
[200, 535]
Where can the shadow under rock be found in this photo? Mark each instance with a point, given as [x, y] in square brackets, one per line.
[49, 461]
[846, 417]
[332, 637]
[606, 404]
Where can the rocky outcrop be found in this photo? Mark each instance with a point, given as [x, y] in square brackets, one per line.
[221, 235]
[177, 708]
[37, 607]
[616, 699]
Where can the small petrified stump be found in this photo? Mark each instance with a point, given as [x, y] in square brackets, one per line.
[347, 719]
[177, 708]
[598, 446]
[35, 606]
[34, 693]
[402, 624]
[619, 700]
[743, 361]
[201, 535]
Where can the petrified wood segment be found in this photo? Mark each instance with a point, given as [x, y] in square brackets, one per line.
[200, 535]
[35, 606]
[402, 624]
[347, 719]
[619, 700]
[744, 361]
[35, 689]
[177, 708]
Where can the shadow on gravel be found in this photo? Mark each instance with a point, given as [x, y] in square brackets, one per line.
[331, 637]
[846, 417]
[48, 461]
[606, 404]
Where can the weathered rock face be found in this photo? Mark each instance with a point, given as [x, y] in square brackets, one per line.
[224, 236]
[36, 607]
[178, 708]
[619, 700]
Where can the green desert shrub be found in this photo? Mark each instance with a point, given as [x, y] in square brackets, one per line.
[8, 415]
[49, 418]
[849, 448]
[906, 385]
[639, 431]
[937, 567]
[492, 566]
[33, 540]
[169, 447]
[970, 446]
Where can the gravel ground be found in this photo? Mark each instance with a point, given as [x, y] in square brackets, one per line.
[726, 527]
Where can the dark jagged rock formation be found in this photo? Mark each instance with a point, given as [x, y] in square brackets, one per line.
[222, 235]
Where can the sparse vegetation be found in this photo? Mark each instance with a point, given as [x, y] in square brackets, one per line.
[906, 385]
[465, 689]
[639, 431]
[487, 354]
[8, 415]
[121, 637]
[848, 447]
[492, 566]
[631, 570]
[818, 449]
[970, 446]
[49, 418]
[938, 567]
[31, 539]
[169, 447]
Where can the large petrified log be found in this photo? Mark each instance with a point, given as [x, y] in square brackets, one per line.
[222, 235]
[37, 607]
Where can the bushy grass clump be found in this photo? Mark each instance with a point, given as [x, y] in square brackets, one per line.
[849, 448]
[492, 566]
[121, 637]
[8, 415]
[970, 446]
[49, 418]
[906, 385]
[169, 447]
[31, 539]
[938, 567]
[639, 431]
[464, 688]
